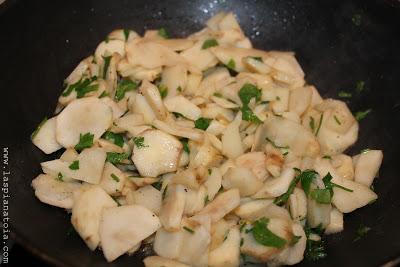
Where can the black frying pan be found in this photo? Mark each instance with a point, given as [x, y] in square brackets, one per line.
[338, 43]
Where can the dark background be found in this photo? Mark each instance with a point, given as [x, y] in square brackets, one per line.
[42, 41]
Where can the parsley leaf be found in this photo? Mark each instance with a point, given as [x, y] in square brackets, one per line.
[312, 124]
[360, 85]
[295, 239]
[248, 115]
[81, 87]
[206, 200]
[362, 114]
[275, 145]
[247, 92]
[361, 232]
[327, 157]
[282, 199]
[164, 193]
[185, 145]
[106, 65]
[337, 120]
[116, 158]
[209, 43]
[104, 94]
[344, 94]
[124, 86]
[85, 141]
[60, 177]
[35, 132]
[315, 250]
[117, 139]
[188, 229]
[322, 196]
[356, 19]
[139, 141]
[217, 94]
[114, 177]
[126, 34]
[328, 184]
[264, 236]
[306, 178]
[163, 90]
[231, 64]
[202, 123]
[74, 165]
[157, 185]
[116, 200]
[320, 123]
[163, 33]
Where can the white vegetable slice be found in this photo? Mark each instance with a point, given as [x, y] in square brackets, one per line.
[317, 213]
[201, 59]
[256, 65]
[254, 209]
[293, 254]
[276, 186]
[298, 204]
[174, 129]
[109, 48]
[168, 244]
[300, 99]
[195, 200]
[195, 246]
[231, 141]
[113, 179]
[183, 106]
[173, 78]
[156, 261]
[148, 197]
[254, 161]
[336, 222]
[158, 154]
[85, 115]
[213, 183]
[79, 70]
[228, 253]
[153, 97]
[45, 137]
[221, 205]
[125, 226]
[86, 214]
[367, 166]
[173, 207]
[57, 193]
[242, 179]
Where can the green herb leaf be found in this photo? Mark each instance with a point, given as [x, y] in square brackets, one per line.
[185, 145]
[344, 94]
[202, 123]
[258, 58]
[163, 33]
[295, 239]
[247, 92]
[312, 124]
[306, 178]
[163, 90]
[188, 229]
[360, 86]
[248, 115]
[116, 200]
[320, 123]
[206, 200]
[337, 120]
[104, 94]
[116, 158]
[164, 193]
[74, 165]
[217, 94]
[356, 19]
[361, 232]
[179, 89]
[139, 141]
[322, 196]
[126, 34]
[85, 141]
[81, 87]
[327, 157]
[60, 177]
[275, 145]
[315, 250]
[157, 185]
[231, 64]
[264, 236]
[365, 150]
[209, 43]
[282, 199]
[178, 115]
[362, 114]
[106, 65]
[115, 138]
[124, 86]
[114, 177]
[35, 132]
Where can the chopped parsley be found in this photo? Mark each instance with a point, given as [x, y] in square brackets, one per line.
[85, 141]
[114, 177]
[217, 94]
[126, 34]
[257, 58]
[106, 65]
[264, 236]
[356, 19]
[362, 114]
[157, 185]
[115, 138]
[74, 165]
[188, 229]
[365, 150]
[116, 200]
[275, 145]
[361, 232]
[307, 177]
[104, 94]
[35, 132]
[319, 124]
[337, 120]
[163, 33]
[231, 64]
[248, 115]
[209, 171]
[164, 193]
[315, 250]
[282, 199]
[209, 43]
[202, 123]
[312, 124]
[206, 200]
[246, 93]
[324, 196]
[179, 89]
[344, 94]
[124, 86]
[327, 157]
[295, 239]
[81, 87]
[163, 90]
[139, 141]
[185, 145]
[60, 177]
[360, 86]
[116, 158]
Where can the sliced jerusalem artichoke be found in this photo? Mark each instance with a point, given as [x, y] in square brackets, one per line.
[116, 110]
[298, 204]
[199, 58]
[175, 79]
[221, 205]
[86, 214]
[123, 35]
[174, 129]
[318, 214]
[45, 136]
[242, 179]
[343, 165]
[256, 161]
[195, 200]
[231, 141]
[130, 121]
[293, 254]
[367, 166]
[214, 81]
[148, 197]
[168, 244]
[113, 179]
[213, 183]
[79, 70]
[109, 48]
[204, 155]
[336, 222]
[186, 178]
[85, 115]
[54, 191]
[125, 226]
[153, 97]
[156, 261]
[228, 253]
[276, 186]
[256, 65]
[300, 99]
[69, 155]
[254, 209]
[173, 207]
[182, 105]
[155, 153]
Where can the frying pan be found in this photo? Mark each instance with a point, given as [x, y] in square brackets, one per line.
[338, 43]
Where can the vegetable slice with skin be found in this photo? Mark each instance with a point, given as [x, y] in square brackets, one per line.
[44, 136]
[156, 261]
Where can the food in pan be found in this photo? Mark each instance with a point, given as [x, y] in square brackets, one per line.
[209, 151]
